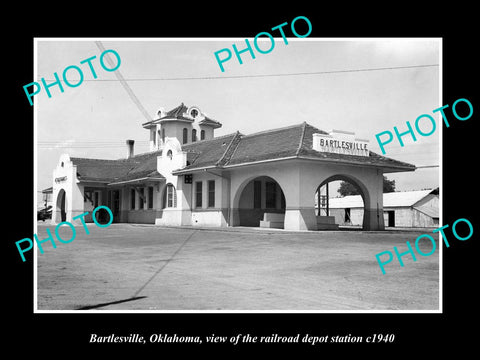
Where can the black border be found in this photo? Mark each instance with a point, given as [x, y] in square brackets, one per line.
[414, 332]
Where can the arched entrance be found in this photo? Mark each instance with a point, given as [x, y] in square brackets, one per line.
[344, 211]
[60, 208]
[259, 196]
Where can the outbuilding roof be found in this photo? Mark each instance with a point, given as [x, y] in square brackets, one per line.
[391, 199]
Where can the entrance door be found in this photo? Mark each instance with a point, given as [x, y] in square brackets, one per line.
[63, 213]
[114, 204]
[391, 218]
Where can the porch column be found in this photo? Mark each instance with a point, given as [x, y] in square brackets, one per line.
[300, 204]
[373, 206]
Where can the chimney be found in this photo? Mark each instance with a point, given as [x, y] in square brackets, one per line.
[130, 148]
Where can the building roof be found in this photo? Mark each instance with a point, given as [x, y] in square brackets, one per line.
[114, 171]
[392, 199]
[176, 114]
[289, 142]
[211, 152]
[229, 151]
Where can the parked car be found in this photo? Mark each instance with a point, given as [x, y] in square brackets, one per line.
[45, 213]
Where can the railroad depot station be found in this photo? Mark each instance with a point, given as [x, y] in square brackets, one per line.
[192, 178]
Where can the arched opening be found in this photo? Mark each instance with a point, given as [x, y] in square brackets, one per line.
[261, 203]
[340, 201]
[61, 212]
[169, 199]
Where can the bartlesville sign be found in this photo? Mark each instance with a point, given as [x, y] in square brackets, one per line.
[340, 142]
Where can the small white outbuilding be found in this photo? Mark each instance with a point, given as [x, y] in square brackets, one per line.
[419, 208]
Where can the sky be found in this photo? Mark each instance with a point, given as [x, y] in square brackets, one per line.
[95, 118]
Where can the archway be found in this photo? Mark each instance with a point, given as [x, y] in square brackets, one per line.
[259, 196]
[346, 211]
[60, 206]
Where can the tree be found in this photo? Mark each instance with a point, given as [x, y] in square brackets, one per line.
[388, 185]
[348, 189]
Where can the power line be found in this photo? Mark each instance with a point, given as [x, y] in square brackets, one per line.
[127, 88]
[267, 75]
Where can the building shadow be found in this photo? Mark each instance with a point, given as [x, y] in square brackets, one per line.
[89, 307]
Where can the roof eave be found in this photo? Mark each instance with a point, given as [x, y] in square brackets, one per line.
[135, 180]
[191, 170]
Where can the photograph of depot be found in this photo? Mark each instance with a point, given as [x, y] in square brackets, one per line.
[260, 188]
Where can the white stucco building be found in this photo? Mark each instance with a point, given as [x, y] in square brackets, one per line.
[192, 178]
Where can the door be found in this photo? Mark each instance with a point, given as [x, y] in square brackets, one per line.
[114, 204]
[391, 218]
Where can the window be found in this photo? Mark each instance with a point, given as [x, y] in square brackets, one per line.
[211, 193]
[169, 154]
[169, 197]
[154, 138]
[194, 135]
[202, 135]
[198, 194]
[194, 113]
[141, 198]
[150, 197]
[271, 195]
[132, 199]
[185, 135]
[257, 194]
[163, 135]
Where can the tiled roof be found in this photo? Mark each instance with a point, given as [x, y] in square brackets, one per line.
[210, 122]
[176, 112]
[291, 141]
[227, 151]
[208, 152]
[139, 166]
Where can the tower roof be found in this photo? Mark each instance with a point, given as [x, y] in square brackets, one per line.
[181, 113]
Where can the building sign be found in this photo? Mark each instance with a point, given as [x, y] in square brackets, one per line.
[340, 142]
[60, 179]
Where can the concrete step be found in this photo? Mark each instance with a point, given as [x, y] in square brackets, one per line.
[327, 226]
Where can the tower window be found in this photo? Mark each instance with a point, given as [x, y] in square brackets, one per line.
[185, 135]
[194, 113]
[169, 154]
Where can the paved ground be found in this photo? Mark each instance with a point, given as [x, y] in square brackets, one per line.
[135, 267]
